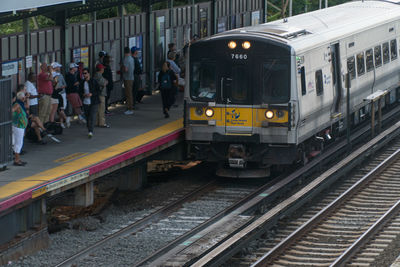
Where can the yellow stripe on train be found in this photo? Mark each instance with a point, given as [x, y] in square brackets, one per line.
[237, 116]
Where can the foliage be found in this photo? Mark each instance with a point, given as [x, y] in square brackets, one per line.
[43, 22]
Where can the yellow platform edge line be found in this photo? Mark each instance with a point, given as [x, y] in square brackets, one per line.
[15, 187]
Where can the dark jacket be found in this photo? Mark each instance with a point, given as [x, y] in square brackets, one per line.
[94, 89]
[171, 75]
[70, 79]
[107, 74]
[138, 67]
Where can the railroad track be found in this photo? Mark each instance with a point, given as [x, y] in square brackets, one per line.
[365, 214]
[210, 248]
[168, 222]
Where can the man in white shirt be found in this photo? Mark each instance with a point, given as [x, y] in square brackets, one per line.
[33, 94]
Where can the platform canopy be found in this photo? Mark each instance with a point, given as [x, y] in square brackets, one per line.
[14, 6]
[12, 10]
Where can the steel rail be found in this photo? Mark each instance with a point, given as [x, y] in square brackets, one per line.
[364, 238]
[207, 223]
[225, 249]
[138, 225]
[288, 241]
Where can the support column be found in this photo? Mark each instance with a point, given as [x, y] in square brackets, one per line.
[26, 29]
[61, 20]
[133, 178]
[214, 23]
[94, 52]
[147, 53]
[84, 195]
[121, 15]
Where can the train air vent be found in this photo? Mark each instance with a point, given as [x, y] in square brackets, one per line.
[292, 35]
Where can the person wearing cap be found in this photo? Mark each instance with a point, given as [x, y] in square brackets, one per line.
[72, 93]
[128, 69]
[59, 97]
[98, 76]
[45, 90]
[102, 54]
[137, 72]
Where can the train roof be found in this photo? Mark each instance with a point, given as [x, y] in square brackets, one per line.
[320, 26]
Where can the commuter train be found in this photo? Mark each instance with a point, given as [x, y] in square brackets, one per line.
[274, 94]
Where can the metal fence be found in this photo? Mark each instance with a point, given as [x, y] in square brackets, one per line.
[5, 123]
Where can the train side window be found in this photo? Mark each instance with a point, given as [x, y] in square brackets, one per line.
[351, 67]
[319, 82]
[303, 81]
[385, 52]
[360, 64]
[369, 58]
[378, 56]
[393, 49]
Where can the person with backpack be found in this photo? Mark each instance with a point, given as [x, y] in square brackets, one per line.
[166, 81]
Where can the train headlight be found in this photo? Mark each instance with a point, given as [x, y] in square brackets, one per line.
[209, 112]
[269, 114]
[280, 113]
[232, 45]
[199, 111]
[246, 45]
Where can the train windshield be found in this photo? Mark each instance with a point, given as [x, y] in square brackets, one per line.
[203, 87]
[275, 77]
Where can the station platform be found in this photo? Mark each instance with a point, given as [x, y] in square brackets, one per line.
[76, 157]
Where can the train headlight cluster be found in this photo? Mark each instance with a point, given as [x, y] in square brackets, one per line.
[232, 45]
[269, 114]
[246, 45]
[209, 112]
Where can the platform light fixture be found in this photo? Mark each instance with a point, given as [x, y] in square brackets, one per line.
[246, 45]
[232, 44]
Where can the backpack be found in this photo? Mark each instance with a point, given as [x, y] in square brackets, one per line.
[165, 81]
[53, 128]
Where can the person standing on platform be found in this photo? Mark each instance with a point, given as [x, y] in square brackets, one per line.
[137, 72]
[102, 82]
[102, 54]
[72, 91]
[175, 68]
[166, 80]
[89, 91]
[19, 123]
[59, 98]
[128, 69]
[33, 95]
[45, 90]
[109, 77]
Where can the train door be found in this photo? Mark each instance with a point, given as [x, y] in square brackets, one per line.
[237, 97]
[336, 77]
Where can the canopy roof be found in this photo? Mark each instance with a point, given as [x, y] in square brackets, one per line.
[14, 6]
[12, 10]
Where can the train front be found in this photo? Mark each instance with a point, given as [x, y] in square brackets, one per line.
[238, 108]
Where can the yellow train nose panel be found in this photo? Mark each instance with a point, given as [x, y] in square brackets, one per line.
[238, 117]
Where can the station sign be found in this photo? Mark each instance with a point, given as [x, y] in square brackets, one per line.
[9, 68]
[60, 183]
